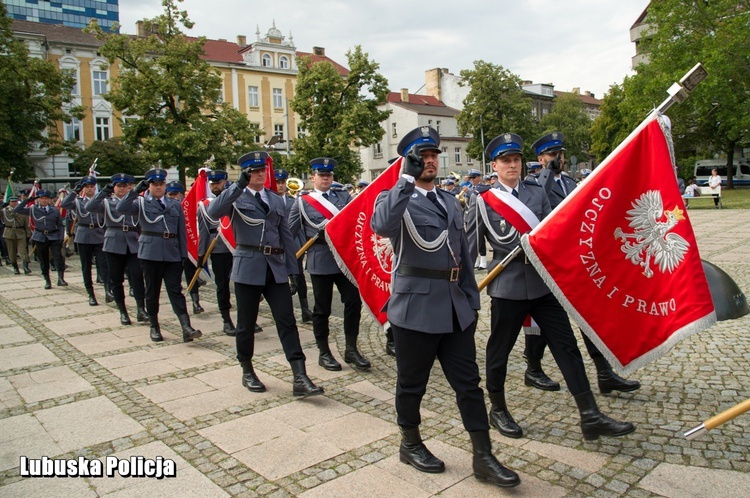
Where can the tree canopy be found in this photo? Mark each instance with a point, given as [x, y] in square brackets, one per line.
[112, 156]
[569, 117]
[338, 113]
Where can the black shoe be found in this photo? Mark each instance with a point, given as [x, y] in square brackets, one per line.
[327, 361]
[124, 318]
[390, 348]
[188, 332]
[61, 282]
[109, 297]
[16, 271]
[99, 280]
[92, 299]
[535, 377]
[594, 423]
[155, 332]
[356, 360]
[141, 315]
[609, 381]
[200, 282]
[230, 329]
[306, 315]
[26, 268]
[413, 452]
[197, 308]
[47, 282]
[486, 466]
[258, 329]
[302, 386]
[501, 418]
[249, 379]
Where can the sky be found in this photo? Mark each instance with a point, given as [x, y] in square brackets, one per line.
[572, 44]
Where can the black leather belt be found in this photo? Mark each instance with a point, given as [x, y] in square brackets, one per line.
[163, 235]
[264, 249]
[92, 226]
[212, 230]
[413, 271]
[45, 232]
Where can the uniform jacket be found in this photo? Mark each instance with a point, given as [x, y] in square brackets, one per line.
[420, 303]
[556, 195]
[253, 227]
[290, 201]
[208, 230]
[16, 225]
[89, 225]
[48, 225]
[519, 280]
[156, 226]
[320, 259]
[121, 232]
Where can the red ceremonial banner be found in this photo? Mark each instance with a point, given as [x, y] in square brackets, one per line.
[620, 254]
[365, 257]
[32, 193]
[270, 182]
[190, 202]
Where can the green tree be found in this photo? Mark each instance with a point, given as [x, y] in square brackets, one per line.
[609, 128]
[569, 116]
[34, 99]
[496, 104]
[338, 113]
[112, 156]
[175, 95]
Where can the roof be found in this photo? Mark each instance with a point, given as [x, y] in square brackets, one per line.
[586, 99]
[642, 17]
[57, 33]
[343, 71]
[423, 104]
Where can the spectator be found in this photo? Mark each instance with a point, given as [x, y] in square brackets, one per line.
[714, 183]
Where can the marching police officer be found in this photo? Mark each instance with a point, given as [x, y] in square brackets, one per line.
[264, 261]
[551, 154]
[121, 245]
[433, 305]
[48, 235]
[16, 228]
[161, 248]
[309, 215]
[519, 291]
[89, 233]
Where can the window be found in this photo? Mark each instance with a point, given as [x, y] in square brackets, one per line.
[257, 127]
[100, 82]
[457, 155]
[101, 127]
[73, 130]
[393, 127]
[377, 151]
[252, 96]
[429, 122]
[73, 73]
[300, 131]
[437, 126]
[266, 61]
[445, 150]
[284, 62]
[278, 130]
[277, 99]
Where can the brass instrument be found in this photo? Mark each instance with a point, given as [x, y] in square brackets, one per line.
[294, 185]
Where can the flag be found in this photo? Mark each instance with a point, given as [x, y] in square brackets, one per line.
[8, 191]
[365, 257]
[190, 202]
[620, 255]
[270, 182]
[32, 193]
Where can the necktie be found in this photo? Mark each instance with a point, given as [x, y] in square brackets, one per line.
[162, 205]
[260, 201]
[325, 195]
[562, 186]
[432, 197]
[515, 193]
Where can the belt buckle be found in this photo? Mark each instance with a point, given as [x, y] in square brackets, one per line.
[166, 235]
[125, 228]
[45, 232]
[454, 274]
[91, 225]
[267, 250]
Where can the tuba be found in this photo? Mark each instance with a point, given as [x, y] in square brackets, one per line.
[294, 185]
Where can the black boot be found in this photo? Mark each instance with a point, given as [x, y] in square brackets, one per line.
[535, 376]
[92, 297]
[305, 307]
[302, 386]
[155, 332]
[486, 466]
[197, 308]
[26, 268]
[326, 359]
[108, 296]
[390, 344]
[140, 311]
[188, 332]
[413, 452]
[229, 328]
[16, 271]
[609, 381]
[47, 282]
[594, 423]
[257, 329]
[124, 318]
[501, 418]
[352, 355]
[249, 379]
[60, 280]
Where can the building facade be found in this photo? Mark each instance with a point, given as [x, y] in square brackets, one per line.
[73, 13]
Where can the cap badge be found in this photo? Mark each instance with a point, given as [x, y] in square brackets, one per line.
[507, 137]
[425, 131]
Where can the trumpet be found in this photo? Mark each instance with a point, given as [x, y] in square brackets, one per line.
[295, 185]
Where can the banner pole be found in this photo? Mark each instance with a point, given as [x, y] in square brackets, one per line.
[719, 419]
[307, 245]
[499, 268]
[202, 263]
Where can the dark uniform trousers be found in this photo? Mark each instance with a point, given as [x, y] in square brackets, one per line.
[323, 294]
[279, 299]
[507, 316]
[118, 264]
[189, 268]
[535, 345]
[221, 264]
[43, 250]
[171, 273]
[456, 351]
[87, 253]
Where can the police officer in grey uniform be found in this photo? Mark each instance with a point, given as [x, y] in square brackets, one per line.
[89, 234]
[433, 305]
[121, 245]
[519, 291]
[161, 248]
[14, 233]
[551, 154]
[322, 267]
[264, 261]
[49, 232]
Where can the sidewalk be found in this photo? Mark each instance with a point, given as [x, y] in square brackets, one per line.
[74, 383]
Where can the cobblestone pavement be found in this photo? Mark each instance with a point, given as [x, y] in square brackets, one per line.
[73, 382]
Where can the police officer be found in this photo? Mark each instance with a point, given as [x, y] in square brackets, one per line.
[16, 228]
[533, 168]
[263, 263]
[89, 233]
[48, 235]
[309, 215]
[281, 189]
[551, 155]
[161, 248]
[519, 291]
[221, 257]
[121, 245]
[433, 305]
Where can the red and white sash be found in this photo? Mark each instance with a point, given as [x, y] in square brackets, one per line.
[321, 204]
[510, 208]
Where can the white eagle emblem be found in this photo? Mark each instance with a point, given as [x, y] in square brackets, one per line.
[651, 241]
[383, 251]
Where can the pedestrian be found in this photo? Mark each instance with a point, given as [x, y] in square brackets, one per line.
[714, 183]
